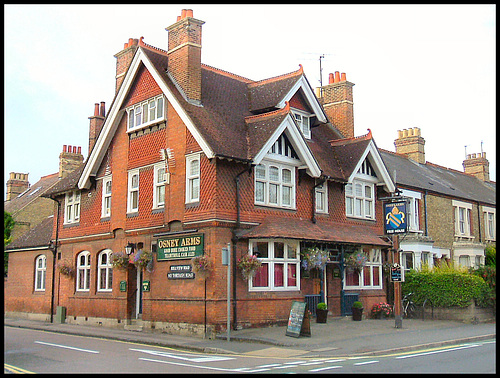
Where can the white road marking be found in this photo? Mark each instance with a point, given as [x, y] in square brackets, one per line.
[180, 356]
[187, 365]
[365, 363]
[326, 368]
[67, 347]
[438, 351]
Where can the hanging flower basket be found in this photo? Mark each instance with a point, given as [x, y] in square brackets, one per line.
[201, 265]
[119, 260]
[66, 268]
[313, 258]
[142, 259]
[356, 261]
[249, 266]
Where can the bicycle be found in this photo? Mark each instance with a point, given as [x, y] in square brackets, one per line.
[408, 308]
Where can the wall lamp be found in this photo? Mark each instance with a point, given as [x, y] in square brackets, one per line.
[129, 248]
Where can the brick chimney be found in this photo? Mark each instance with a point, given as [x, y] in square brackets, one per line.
[123, 60]
[477, 165]
[96, 122]
[184, 54]
[17, 183]
[69, 159]
[411, 144]
[338, 104]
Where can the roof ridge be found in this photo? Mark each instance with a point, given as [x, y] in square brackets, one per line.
[300, 71]
[227, 73]
[144, 44]
[52, 174]
[256, 117]
[367, 136]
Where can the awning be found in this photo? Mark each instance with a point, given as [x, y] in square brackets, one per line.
[304, 229]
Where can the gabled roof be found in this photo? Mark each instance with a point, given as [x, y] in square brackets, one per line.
[70, 182]
[438, 179]
[31, 194]
[36, 237]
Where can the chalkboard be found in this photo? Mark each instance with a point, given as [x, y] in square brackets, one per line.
[298, 321]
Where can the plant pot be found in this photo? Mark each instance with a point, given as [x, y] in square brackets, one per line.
[357, 313]
[321, 316]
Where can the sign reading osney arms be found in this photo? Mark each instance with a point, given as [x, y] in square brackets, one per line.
[181, 247]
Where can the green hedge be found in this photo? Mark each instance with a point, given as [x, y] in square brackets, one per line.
[446, 287]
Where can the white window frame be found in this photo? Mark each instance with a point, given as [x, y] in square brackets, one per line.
[133, 191]
[466, 263]
[268, 183]
[463, 213]
[364, 201]
[106, 197]
[303, 120]
[40, 272]
[193, 179]
[412, 209]
[72, 207]
[374, 261]
[489, 223]
[271, 261]
[159, 185]
[104, 272]
[152, 106]
[83, 271]
[321, 193]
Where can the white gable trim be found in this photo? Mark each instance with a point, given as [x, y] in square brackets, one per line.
[310, 97]
[378, 165]
[298, 142]
[115, 115]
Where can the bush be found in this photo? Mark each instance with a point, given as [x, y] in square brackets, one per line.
[445, 286]
[357, 304]
[321, 306]
[489, 275]
[491, 255]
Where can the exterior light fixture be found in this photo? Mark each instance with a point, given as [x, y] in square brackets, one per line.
[129, 248]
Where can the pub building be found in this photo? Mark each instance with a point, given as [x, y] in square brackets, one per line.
[191, 161]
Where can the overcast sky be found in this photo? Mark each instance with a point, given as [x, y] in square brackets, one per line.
[426, 66]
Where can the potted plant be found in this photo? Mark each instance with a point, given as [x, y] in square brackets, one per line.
[321, 312]
[356, 261]
[249, 265]
[357, 311]
[65, 267]
[119, 260]
[143, 259]
[380, 310]
[314, 257]
[201, 265]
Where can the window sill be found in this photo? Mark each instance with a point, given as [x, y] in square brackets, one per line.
[361, 218]
[73, 224]
[132, 214]
[106, 218]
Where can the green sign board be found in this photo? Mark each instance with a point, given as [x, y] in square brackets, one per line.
[146, 285]
[123, 285]
[180, 247]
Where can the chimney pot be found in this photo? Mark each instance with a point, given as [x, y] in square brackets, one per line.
[337, 76]
[96, 109]
[189, 13]
[178, 18]
[330, 79]
[342, 77]
[79, 150]
[64, 148]
[103, 111]
[183, 14]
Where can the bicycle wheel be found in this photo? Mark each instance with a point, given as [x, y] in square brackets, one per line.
[411, 311]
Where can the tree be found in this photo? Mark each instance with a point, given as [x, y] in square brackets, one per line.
[7, 230]
[491, 253]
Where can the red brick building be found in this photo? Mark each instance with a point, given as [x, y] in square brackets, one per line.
[191, 159]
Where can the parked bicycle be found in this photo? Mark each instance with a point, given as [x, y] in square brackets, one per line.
[408, 308]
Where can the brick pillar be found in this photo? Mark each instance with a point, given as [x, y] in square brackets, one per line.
[477, 165]
[184, 54]
[337, 100]
[17, 183]
[411, 144]
[123, 60]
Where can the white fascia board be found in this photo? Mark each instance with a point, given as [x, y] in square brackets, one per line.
[310, 96]
[299, 143]
[115, 114]
[378, 166]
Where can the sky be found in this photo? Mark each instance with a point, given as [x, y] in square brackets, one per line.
[425, 66]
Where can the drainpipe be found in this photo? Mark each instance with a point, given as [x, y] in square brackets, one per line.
[235, 238]
[478, 221]
[54, 255]
[425, 211]
[313, 219]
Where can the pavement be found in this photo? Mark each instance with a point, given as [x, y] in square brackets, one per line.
[340, 336]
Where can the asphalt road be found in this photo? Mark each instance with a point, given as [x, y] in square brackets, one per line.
[46, 352]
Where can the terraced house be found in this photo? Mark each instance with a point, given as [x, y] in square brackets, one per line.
[191, 159]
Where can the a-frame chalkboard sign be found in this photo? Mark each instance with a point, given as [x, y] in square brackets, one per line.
[299, 323]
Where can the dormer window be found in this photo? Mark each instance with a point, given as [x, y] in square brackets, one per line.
[146, 113]
[303, 120]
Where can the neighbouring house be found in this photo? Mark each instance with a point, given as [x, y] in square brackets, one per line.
[452, 214]
[191, 160]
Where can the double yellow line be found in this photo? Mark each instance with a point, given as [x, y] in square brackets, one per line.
[16, 370]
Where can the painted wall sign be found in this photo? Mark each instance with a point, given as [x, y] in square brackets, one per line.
[180, 247]
[395, 217]
[180, 275]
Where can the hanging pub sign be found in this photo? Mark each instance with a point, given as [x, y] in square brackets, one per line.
[395, 217]
[180, 247]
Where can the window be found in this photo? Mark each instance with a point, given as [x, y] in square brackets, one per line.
[478, 261]
[193, 178]
[159, 186]
[280, 270]
[275, 185]
[407, 261]
[489, 222]
[104, 271]
[464, 260]
[360, 200]
[322, 197]
[412, 209]
[106, 197]
[40, 272]
[72, 207]
[370, 276]
[303, 121]
[133, 191]
[83, 271]
[146, 113]
[426, 260]
[462, 218]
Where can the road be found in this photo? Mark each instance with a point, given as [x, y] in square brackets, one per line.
[32, 351]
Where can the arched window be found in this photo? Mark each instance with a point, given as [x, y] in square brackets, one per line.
[83, 271]
[104, 271]
[40, 271]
